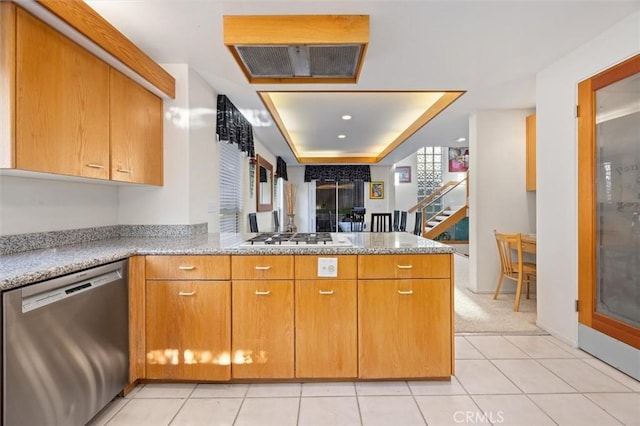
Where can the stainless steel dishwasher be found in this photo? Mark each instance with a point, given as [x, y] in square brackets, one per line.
[65, 347]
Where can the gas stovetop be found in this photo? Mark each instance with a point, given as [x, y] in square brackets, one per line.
[301, 239]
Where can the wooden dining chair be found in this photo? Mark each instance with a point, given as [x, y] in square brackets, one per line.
[380, 222]
[396, 220]
[403, 221]
[417, 225]
[253, 222]
[512, 265]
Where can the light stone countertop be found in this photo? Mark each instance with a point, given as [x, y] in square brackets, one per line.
[29, 267]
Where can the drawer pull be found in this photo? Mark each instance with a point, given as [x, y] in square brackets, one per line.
[408, 292]
[325, 292]
[95, 166]
[405, 266]
[186, 268]
[123, 171]
[263, 293]
[187, 293]
[263, 268]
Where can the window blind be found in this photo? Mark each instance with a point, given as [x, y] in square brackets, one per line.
[230, 188]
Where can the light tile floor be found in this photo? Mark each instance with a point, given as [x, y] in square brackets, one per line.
[500, 380]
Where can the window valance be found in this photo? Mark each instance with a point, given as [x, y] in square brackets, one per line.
[233, 127]
[337, 173]
[281, 168]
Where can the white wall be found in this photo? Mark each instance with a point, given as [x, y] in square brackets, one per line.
[556, 96]
[497, 196]
[42, 205]
[385, 205]
[204, 154]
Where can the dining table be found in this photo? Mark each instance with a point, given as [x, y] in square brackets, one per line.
[528, 243]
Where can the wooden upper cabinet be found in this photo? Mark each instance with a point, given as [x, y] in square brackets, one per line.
[62, 103]
[136, 132]
[531, 152]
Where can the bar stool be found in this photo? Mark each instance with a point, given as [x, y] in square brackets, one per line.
[380, 222]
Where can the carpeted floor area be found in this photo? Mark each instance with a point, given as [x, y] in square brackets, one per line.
[479, 313]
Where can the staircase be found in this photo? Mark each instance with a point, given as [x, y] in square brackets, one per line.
[436, 224]
[442, 221]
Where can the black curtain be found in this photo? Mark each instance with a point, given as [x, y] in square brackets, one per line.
[337, 173]
[233, 127]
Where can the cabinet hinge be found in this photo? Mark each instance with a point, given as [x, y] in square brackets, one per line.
[577, 306]
[577, 111]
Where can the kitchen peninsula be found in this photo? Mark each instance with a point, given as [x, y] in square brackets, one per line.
[212, 308]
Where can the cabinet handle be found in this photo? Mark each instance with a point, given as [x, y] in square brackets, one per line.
[263, 293]
[263, 268]
[325, 292]
[186, 268]
[95, 166]
[405, 292]
[186, 293]
[123, 171]
[405, 266]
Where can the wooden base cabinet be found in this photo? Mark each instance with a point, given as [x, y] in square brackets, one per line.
[404, 328]
[326, 329]
[188, 317]
[262, 329]
[188, 330]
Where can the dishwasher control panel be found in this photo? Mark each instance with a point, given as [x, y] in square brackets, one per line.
[38, 300]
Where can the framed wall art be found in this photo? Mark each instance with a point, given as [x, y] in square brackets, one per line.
[458, 159]
[404, 174]
[376, 190]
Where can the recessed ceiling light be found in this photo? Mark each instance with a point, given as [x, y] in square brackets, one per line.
[461, 139]
[341, 136]
[346, 117]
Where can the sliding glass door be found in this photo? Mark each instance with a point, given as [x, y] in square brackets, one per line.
[335, 202]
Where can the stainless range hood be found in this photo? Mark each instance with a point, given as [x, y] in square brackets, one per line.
[298, 48]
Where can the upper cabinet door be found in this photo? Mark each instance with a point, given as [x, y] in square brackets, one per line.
[136, 132]
[62, 103]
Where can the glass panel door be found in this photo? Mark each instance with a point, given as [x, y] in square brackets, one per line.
[325, 207]
[335, 203]
[617, 140]
[609, 202]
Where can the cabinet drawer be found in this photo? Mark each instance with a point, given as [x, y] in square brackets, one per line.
[404, 266]
[307, 267]
[188, 267]
[261, 267]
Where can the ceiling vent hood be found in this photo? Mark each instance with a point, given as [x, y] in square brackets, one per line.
[298, 48]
